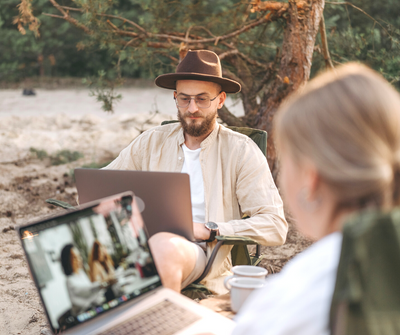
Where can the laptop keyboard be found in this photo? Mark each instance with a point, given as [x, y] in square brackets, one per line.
[165, 318]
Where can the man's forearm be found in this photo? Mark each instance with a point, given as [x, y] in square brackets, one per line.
[267, 228]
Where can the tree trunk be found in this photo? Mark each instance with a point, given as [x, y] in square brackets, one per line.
[295, 65]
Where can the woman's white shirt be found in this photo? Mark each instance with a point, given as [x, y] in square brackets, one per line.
[297, 300]
[83, 293]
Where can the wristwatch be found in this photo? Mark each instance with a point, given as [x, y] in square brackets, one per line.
[213, 228]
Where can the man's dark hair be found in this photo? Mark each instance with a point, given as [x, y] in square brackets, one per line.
[66, 259]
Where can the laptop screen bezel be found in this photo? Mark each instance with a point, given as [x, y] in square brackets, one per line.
[65, 216]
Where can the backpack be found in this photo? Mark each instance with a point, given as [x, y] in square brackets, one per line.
[366, 298]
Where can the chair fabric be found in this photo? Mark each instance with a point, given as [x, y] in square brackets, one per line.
[366, 298]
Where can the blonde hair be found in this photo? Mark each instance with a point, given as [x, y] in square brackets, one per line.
[347, 122]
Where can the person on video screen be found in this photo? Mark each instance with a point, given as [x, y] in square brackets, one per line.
[82, 292]
[101, 267]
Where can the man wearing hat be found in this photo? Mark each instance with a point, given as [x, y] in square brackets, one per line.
[229, 175]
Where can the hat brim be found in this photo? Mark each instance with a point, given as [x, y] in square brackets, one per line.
[169, 81]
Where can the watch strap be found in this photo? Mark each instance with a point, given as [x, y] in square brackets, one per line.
[213, 233]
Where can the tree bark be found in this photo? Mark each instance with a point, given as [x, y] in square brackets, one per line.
[295, 65]
[230, 119]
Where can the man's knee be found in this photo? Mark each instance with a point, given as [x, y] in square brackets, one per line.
[168, 252]
[174, 258]
[165, 246]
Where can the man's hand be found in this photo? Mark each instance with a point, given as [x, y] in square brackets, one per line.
[200, 231]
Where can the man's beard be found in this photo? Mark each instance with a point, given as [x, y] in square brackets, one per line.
[195, 129]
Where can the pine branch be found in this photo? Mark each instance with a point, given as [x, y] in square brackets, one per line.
[70, 19]
[274, 6]
[228, 74]
[267, 77]
[365, 13]
[230, 119]
[170, 37]
[324, 42]
[26, 17]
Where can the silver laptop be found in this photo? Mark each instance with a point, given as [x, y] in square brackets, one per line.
[163, 197]
[95, 275]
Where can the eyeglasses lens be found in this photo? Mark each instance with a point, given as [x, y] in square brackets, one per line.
[202, 101]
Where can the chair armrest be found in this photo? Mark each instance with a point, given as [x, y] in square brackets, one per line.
[59, 203]
[225, 240]
[236, 240]
[210, 261]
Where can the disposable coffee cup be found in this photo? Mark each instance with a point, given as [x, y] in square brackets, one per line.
[246, 271]
[240, 289]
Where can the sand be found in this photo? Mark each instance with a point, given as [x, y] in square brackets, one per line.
[51, 121]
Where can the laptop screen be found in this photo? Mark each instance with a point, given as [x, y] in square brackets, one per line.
[90, 261]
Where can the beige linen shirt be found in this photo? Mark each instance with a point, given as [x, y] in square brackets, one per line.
[237, 181]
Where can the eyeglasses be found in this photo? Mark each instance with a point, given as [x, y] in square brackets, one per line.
[201, 100]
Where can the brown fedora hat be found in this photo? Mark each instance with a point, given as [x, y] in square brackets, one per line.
[199, 65]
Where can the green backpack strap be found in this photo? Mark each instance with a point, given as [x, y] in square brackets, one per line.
[59, 203]
[168, 122]
[366, 299]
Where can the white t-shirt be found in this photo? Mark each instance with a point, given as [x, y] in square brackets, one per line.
[297, 300]
[192, 166]
[83, 293]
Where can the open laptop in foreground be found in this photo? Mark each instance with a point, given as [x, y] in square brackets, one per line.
[162, 197]
[95, 275]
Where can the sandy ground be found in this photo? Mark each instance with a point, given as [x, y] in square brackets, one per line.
[53, 121]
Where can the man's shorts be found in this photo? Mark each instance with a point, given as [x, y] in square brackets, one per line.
[201, 261]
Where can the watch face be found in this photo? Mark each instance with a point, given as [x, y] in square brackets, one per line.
[212, 225]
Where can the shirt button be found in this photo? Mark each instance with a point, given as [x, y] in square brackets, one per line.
[179, 158]
[272, 186]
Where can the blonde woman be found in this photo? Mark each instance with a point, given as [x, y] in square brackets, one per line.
[339, 142]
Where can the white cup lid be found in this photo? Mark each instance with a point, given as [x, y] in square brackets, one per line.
[249, 270]
[249, 283]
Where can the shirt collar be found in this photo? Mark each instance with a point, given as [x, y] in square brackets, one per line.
[181, 136]
[210, 138]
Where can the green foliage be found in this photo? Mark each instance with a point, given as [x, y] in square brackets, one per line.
[353, 36]
[54, 53]
[59, 158]
[38, 153]
[103, 90]
[65, 50]
[178, 18]
[64, 157]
